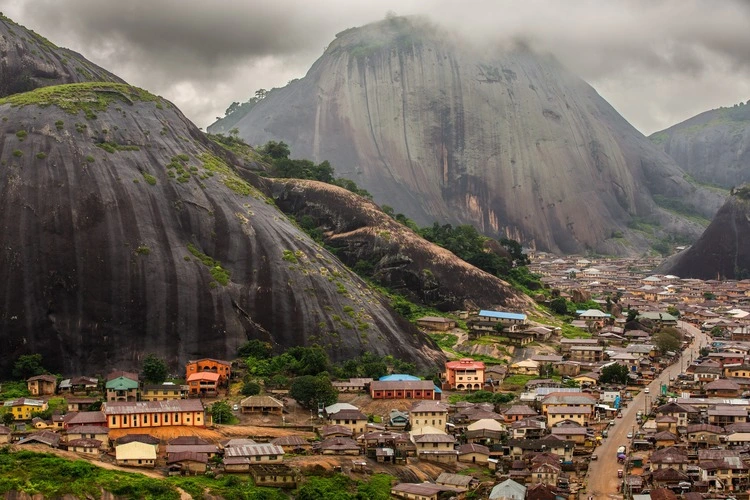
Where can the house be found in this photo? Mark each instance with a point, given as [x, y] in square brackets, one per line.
[432, 414]
[669, 458]
[485, 431]
[422, 491]
[293, 444]
[337, 446]
[658, 317]
[187, 463]
[723, 415]
[458, 481]
[6, 434]
[567, 344]
[507, 319]
[42, 385]
[529, 428]
[140, 438]
[85, 418]
[464, 374]
[122, 386]
[519, 412]
[80, 404]
[508, 490]
[704, 435]
[587, 353]
[135, 454]
[352, 385]
[665, 439]
[724, 469]
[144, 414]
[436, 447]
[192, 444]
[264, 405]
[545, 473]
[85, 446]
[436, 323]
[163, 392]
[89, 432]
[403, 389]
[22, 408]
[398, 419]
[354, 419]
[203, 383]
[722, 388]
[473, 453]
[273, 476]
[333, 431]
[525, 367]
[50, 438]
[518, 447]
[262, 453]
[78, 385]
[576, 434]
[684, 413]
[210, 365]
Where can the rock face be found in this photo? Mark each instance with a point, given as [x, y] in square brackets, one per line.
[29, 61]
[713, 147]
[723, 251]
[506, 140]
[400, 259]
[124, 231]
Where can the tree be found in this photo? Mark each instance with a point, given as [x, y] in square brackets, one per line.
[312, 360]
[154, 369]
[234, 132]
[666, 340]
[221, 413]
[309, 391]
[28, 365]
[614, 374]
[559, 305]
[673, 311]
[255, 348]
[8, 419]
[250, 388]
[261, 94]
[632, 315]
[709, 295]
[276, 150]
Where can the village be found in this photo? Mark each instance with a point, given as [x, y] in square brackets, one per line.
[663, 359]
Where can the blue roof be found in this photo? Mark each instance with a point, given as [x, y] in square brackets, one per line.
[437, 390]
[399, 377]
[502, 315]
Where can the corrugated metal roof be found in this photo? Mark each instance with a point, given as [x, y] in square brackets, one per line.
[169, 406]
[253, 450]
[502, 315]
[135, 450]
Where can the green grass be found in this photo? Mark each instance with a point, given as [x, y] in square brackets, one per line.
[113, 147]
[229, 486]
[517, 382]
[221, 275]
[150, 179]
[13, 390]
[571, 332]
[229, 177]
[81, 97]
[445, 341]
[52, 477]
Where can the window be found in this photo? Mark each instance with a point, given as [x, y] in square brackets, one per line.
[145, 419]
[257, 459]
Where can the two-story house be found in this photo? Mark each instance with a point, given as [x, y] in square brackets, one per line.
[464, 374]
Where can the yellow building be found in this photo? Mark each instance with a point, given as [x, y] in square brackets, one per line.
[23, 407]
[163, 392]
[577, 414]
[144, 414]
[428, 414]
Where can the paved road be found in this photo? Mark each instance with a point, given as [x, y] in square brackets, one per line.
[602, 476]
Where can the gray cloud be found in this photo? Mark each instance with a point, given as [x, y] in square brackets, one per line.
[657, 62]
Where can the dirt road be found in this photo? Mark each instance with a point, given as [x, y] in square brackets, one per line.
[602, 475]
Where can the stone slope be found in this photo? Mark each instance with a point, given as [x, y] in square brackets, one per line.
[713, 147]
[723, 251]
[29, 61]
[506, 140]
[123, 231]
[400, 259]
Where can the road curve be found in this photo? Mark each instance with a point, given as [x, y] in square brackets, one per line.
[602, 481]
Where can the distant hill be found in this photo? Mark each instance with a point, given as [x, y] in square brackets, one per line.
[501, 138]
[723, 251]
[713, 147]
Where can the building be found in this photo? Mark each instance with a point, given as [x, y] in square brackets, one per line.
[257, 453]
[587, 353]
[273, 475]
[436, 323]
[22, 408]
[204, 383]
[135, 454]
[264, 405]
[436, 447]
[353, 419]
[97, 432]
[5, 434]
[403, 389]
[464, 374]
[508, 490]
[163, 392]
[144, 414]
[222, 368]
[122, 386]
[85, 446]
[507, 319]
[42, 385]
[428, 414]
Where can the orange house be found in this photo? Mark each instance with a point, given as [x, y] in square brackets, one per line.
[203, 383]
[464, 374]
[222, 368]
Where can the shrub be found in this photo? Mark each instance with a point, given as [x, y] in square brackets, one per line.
[17, 153]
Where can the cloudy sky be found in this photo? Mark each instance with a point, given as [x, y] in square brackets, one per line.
[657, 62]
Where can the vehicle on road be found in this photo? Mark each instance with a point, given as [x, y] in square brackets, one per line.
[605, 433]
[594, 457]
[619, 414]
[646, 390]
[619, 472]
[235, 407]
[630, 435]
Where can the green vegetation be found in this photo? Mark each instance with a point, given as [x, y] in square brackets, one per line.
[142, 250]
[229, 177]
[90, 159]
[221, 275]
[154, 369]
[150, 179]
[17, 153]
[482, 397]
[28, 365]
[14, 389]
[667, 339]
[87, 97]
[340, 487]
[517, 382]
[614, 374]
[229, 486]
[113, 147]
[444, 340]
[41, 155]
[21, 134]
[59, 124]
[53, 477]
[221, 413]
[680, 207]
[311, 390]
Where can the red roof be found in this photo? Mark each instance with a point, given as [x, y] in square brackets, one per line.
[213, 377]
[465, 364]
